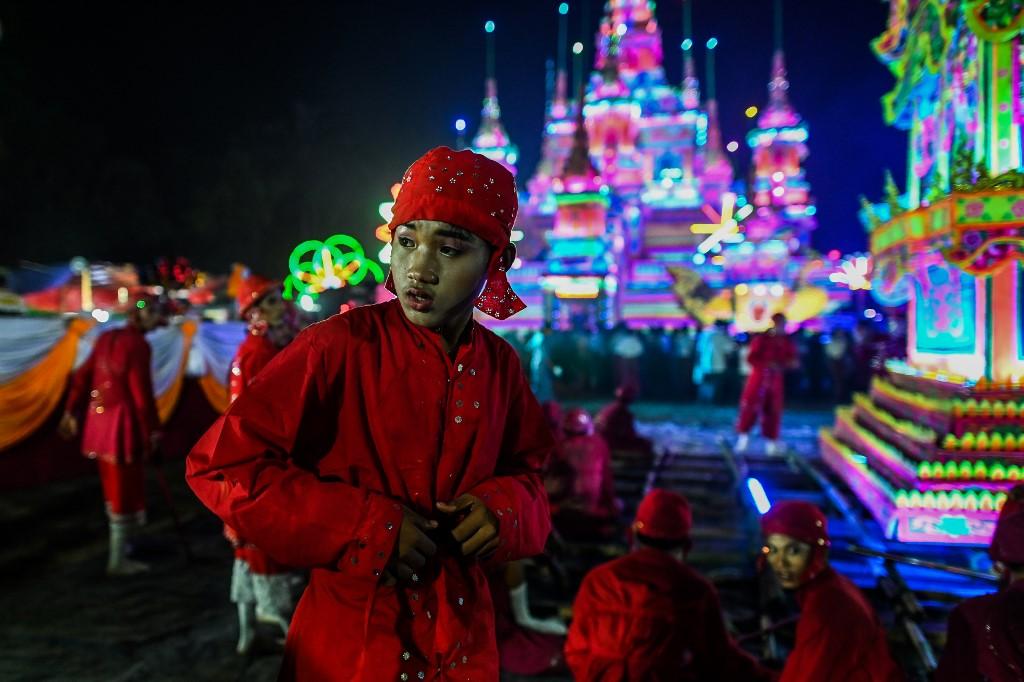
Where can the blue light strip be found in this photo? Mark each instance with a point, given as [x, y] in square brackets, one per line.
[759, 496]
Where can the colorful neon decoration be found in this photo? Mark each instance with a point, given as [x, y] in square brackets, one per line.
[855, 274]
[933, 449]
[334, 263]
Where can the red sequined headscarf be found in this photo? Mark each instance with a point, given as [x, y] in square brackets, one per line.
[470, 191]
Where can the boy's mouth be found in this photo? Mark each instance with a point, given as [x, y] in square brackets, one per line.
[419, 300]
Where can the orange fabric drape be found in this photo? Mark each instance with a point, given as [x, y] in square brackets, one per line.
[30, 399]
[216, 392]
[166, 403]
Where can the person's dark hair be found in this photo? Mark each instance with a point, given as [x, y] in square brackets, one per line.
[664, 545]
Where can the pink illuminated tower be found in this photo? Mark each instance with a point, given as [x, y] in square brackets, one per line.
[779, 189]
[491, 139]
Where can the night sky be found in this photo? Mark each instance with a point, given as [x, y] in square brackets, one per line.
[228, 131]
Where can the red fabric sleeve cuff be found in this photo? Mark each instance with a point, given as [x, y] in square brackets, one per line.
[374, 540]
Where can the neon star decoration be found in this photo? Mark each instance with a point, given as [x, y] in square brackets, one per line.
[726, 225]
[334, 263]
[855, 273]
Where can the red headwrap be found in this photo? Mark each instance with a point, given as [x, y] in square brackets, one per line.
[577, 422]
[470, 191]
[804, 522]
[664, 515]
[251, 290]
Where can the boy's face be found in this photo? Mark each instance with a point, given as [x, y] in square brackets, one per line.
[788, 557]
[439, 271]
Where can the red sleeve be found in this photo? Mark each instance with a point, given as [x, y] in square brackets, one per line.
[829, 648]
[758, 355]
[140, 383]
[724, 660]
[515, 495]
[959, 661]
[244, 469]
[81, 382]
[577, 643]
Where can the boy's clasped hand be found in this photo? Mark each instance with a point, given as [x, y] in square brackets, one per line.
[473, 533]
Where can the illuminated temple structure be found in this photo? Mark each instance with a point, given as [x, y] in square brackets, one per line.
[637, 214]
[933, 447]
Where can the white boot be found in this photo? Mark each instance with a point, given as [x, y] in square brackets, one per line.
[273, 599]
[118, 562]
[521, 614]
[742, 442]
[246, 627]
[773, 447]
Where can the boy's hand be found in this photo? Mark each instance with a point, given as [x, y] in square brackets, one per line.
[477, 532]
[68, 427]
[414, 547]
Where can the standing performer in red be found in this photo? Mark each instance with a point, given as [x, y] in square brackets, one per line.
[591, 501]
[838, 638]
[771, 354]
[121, 424]
[648, 616]
[260, 586]
[985, 638]
[396, 449]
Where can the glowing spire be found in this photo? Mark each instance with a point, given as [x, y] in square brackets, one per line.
[691, 85]
[579, 165]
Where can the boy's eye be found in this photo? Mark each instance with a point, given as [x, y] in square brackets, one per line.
[406, 242]
[450, 251]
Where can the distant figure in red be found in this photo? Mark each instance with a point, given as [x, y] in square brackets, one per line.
[590, 505]
[617, 425]
[259, 585]
[838, 638]
[985, 639]
[771, 354]
[648, 616]
[121, 423]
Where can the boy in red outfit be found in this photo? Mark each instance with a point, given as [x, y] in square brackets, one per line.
[121, 423]
[838, 637]
[985, 639]
[396, 449]
[260, 586]
[648, 616]
[771, 354]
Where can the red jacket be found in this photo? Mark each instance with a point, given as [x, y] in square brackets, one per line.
[985, 638]
[255, 353]
[838, 637]
[648, 617]
[118, 380]
[772, 351]
[359, 415]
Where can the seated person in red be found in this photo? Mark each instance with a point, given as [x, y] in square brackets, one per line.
[590, 497]
[527, 645]
[396, 450]
[838, 638]
[617, 425]
[985, 640]
[648, 616]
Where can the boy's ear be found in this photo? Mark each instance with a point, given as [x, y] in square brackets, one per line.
[508, 257]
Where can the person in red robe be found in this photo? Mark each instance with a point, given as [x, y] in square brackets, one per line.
[838, 637]
[771, 354]
[260, 586]
[589, 508]
[985, 638]
[396, 450]
[121, 423]
[617, 425]
[527, 645]
[649, 616]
